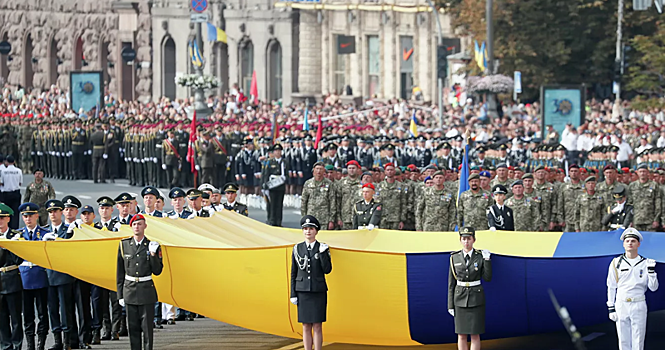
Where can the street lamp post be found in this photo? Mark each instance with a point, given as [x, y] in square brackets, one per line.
[200, 104]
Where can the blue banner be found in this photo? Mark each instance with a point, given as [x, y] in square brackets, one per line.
[562, 105]
[86, 90]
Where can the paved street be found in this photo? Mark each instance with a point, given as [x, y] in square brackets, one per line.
[204, 334]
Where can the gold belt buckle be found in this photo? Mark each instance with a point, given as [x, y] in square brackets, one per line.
[629, 300]
[466, 284]
[136, 279]
[3, 269]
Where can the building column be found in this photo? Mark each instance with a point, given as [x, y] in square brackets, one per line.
[309, 68]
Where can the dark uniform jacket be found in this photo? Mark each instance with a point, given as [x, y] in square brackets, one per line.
[34, 277]
[365, 214]
[622, 219]
[10, 281]
[56, 278]
[309, 269]
[501, 219]
[238, 208]
[136, 261]
[478, 269]
[274, 167]
[97, 140]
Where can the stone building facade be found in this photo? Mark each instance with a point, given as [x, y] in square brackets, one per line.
[292, 46]
[51, 38]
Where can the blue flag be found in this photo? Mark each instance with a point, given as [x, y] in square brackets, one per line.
[305, 125]
[464, 173]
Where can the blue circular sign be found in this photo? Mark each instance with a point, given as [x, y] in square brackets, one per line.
[199, 5]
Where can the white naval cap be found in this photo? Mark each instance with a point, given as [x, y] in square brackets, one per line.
[206, 187]
[631, 233]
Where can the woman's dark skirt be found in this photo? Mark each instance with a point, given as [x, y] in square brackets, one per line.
[469, 320]
[312, 307]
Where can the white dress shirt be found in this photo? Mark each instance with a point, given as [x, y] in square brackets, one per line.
[11, 178]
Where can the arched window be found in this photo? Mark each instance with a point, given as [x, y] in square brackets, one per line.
[28, 72]
[168, 68]
[274, 70]
[246, 65]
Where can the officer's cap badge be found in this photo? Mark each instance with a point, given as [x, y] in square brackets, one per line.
[69, 201]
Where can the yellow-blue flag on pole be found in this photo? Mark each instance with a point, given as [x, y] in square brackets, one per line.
[480, 54]
[195, 54]
[413, 128]
[216, 34]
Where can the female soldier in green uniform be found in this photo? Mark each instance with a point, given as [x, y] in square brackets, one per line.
[466, 297]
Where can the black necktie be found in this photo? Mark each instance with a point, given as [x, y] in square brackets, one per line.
[309, 247]
[467, 258]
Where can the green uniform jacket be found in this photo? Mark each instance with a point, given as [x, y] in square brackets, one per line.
[136, 261]
[478, 269]
[365, 214]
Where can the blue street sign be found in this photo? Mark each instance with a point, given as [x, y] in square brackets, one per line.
[518, 82]
[199, 5]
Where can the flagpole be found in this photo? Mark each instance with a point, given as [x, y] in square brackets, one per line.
[200, 104]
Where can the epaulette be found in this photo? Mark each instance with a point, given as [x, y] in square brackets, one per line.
[453, 253]
[126, 239]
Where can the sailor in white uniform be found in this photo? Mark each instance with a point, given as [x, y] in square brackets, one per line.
[628, 278]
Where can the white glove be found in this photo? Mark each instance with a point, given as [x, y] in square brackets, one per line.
[143, 160]
[323, 247]
[40, 153]
[164, 166]
[613, 316]
[16, 237]
[651, 263]
[105, 156]
[154, 160]
[121, 302]
[49, 237]
[294, 301]
[492, 228]
[228, 164]
[370, 227]
[117, 226]
[197, 167]
[153, 246]
[618, 208]
[57, 154]
[32, 153]
[486, 254]
[451, 312]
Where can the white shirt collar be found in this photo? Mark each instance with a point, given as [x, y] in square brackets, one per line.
[138, 243]
[231, 204]
[469, 254]
[310, 245]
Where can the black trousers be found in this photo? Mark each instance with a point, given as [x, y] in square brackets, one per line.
[79, 170]
[220, 175]
[112, 164]
[35, 299]
[139, 322]
[173, 176]
[98, 168]
[207, 175]
[100, 299]
[116, 312]
[11, 328]
[13, 200]
[275, 206]
[61, 308]
[83, 310]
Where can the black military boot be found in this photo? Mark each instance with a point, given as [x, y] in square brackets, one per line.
[41, 342]
[30, 341]
[96, 337]
[58, 341]
[123, 327]
[66, 343]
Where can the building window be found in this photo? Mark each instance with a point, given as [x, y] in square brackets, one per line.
[374, 54]
[169, 68]
[275, 70]
[339, 69]
[246, 66]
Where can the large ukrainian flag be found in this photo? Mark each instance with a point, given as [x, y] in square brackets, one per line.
[387, 287]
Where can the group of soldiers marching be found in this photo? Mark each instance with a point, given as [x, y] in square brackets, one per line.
[78, 314]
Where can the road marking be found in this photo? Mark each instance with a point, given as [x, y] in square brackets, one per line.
[85, 197]
[85, 181]
[122, 185]
[593, 336]
[58, 192]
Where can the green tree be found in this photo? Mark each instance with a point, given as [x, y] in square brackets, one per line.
[646, 74]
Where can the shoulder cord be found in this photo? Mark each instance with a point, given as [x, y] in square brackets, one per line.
[301, 261]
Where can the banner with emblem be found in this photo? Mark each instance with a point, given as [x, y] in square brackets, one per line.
[86, 90]
[562, 104]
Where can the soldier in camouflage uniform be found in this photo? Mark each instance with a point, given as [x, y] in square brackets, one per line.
[502, 179]
[589, 208]
[606, 187]
[349, 192]
[389, 194]
[533, 197]
[25, 134]
[409, 200]
[566, 198]
[38, 192]
[473, 204]
[547, 193]
[436, 208]
[319, 198]
[525, 211]
[645, 197]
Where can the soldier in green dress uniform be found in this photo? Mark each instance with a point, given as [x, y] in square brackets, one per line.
[466, 297]
[367, 212]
